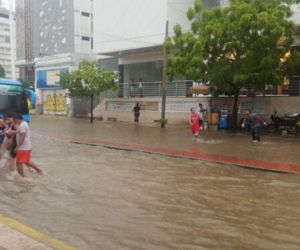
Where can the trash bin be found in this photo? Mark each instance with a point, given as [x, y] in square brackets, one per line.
[224, 120]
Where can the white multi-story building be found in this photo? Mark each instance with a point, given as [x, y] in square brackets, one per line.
[8, 43]
[133, 32]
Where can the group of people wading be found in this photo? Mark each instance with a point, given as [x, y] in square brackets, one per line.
[15, 144]
[251, 122]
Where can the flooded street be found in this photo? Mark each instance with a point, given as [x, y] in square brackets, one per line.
[99, 198]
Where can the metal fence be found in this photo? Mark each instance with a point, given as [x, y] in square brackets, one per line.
[150, 89]
[294, 88]
[181, 89]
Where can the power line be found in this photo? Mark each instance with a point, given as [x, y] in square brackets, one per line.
[136, 39]
[56, 54]
[120, 39]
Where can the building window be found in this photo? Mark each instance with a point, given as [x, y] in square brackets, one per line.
[4, 15]
[4, 39]
[4, 27]
[85, 14]
[85, 38]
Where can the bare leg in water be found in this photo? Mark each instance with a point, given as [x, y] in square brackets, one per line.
[20, 169]
[29, 164]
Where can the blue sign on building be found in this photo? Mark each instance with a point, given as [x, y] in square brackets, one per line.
[49, 78]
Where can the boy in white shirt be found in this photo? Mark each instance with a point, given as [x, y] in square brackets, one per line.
[24, 146]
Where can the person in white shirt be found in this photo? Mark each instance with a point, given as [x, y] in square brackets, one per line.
[24, 146]
[201, 117]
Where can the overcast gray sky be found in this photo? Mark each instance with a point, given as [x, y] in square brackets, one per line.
[9, 4]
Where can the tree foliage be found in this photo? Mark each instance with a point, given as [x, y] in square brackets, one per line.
[88, 80]
[245, 43]
[2, 72]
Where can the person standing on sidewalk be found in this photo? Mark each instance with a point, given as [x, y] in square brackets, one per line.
[24, 146]
[253, 122]
[201, 117]
[136, 112]
[194, 123]
[141, 87]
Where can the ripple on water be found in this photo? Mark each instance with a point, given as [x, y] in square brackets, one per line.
[98, 198]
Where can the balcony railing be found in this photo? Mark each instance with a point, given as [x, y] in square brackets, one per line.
[150, 89]
[182, 89]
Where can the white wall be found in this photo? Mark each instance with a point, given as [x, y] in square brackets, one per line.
[127, 24]
[177, 14]
[13, 41]
[150, 56]
[82, 26]
[83, 5]
[296, 15]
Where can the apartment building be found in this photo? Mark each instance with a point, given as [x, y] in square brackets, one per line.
[7, 43]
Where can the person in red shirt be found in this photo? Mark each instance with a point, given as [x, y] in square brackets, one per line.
[194, 122]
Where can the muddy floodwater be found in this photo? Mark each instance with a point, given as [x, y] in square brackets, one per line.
[99, 198]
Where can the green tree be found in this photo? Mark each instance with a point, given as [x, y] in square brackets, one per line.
[2, 72]
[242, 44]
[88, 81]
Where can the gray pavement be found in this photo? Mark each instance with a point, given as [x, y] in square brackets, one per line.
[11, 239]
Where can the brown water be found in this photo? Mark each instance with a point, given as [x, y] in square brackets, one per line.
[99, 198]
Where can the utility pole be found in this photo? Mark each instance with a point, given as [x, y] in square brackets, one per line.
[164, 85]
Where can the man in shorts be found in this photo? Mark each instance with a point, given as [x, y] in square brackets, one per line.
[23, 148]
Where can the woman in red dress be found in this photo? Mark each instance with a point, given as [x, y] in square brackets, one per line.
[194, 122]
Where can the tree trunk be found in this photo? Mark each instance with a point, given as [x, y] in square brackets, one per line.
[234, 110]
[163, 107]
[164, 85]
[92, 109]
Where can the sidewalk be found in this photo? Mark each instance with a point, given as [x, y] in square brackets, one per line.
[12, 239]
[16, 236]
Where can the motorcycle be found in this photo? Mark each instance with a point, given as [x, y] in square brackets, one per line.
[289, 123]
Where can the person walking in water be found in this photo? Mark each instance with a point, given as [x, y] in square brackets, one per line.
[24, 146]
[201, 117]
[253, 122]
[136, 112]
[3, 127]
[194, 122]
[10, 144]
